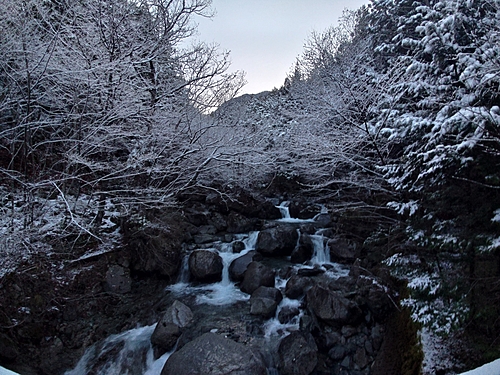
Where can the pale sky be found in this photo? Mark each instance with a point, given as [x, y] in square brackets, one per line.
[266, 36]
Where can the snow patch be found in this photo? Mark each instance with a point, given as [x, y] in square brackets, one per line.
[492, 368]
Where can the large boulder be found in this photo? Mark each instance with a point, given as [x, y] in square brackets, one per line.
[297, 286]
[264, 301]
[342, 251]
[257, 275]
[118, 280]
[331, 307]
[238, 267]
[212, 354]
[205, 265]
[177, 317]
[298, 354]
[277, 241]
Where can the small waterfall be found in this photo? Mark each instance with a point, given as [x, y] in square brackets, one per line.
[321, 252]
[251, 240]
[184, 274]
[283, 207]
[286, 217]
[127, 353]
[273, 327]
[225, 292]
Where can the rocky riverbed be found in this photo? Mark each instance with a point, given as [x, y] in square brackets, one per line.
[281, 295]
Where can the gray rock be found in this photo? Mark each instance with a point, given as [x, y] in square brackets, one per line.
[212, 354]
[277, 241]
[257, 275]
[287, 314]
[238, 267]
[323, 220]
[307, 271]
[298, 354]
[304, 251]
[164, 337]
[331, 307]
[169, 328]
[332, 338]
[238, 246]
[342, 251]
[264, 301]
[337, 352]
[360, 358]
[118, 279]
[205, 265]
[297, 286]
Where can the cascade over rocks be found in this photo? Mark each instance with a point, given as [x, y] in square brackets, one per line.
[277, 241]
[304, 251]
[212, 354]
[334, 329]
[205, 265]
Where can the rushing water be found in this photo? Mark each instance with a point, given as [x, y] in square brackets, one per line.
[224, 292]
[128, 353]
[131, 352]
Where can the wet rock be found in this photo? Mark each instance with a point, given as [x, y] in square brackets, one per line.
[298, 354]
[257, 275]
[203, 238]
[238, 267]
[212, 354]
[342, 251]
[331, 307]
[164, 337]
[304, 251]
[297, 286]
[118, 280]
[238, 246]
[205, 265]
[178, 314]
[264, 301]
[302, 210]
[287, 314]
[323, 220]
[307, 271]
[277, 241]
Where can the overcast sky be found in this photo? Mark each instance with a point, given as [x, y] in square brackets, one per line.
[265, 36]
